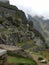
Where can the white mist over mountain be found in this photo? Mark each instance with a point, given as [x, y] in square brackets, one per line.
[38, 7]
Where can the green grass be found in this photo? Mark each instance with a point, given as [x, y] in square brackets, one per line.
[11, 59]
[19, 44]
[30, 41]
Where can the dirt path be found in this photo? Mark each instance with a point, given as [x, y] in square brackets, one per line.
[9, 47]
[35, 57]
[12, 48]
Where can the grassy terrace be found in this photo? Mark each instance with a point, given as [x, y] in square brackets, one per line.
[17, 59]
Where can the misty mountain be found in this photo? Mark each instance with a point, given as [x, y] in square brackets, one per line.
[42, 25]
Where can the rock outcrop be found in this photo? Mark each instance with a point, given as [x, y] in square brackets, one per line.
[15, 28]
[5, 1]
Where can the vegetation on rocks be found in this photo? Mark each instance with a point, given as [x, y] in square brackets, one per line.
[15, 29]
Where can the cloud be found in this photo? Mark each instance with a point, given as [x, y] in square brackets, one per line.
[41, 7]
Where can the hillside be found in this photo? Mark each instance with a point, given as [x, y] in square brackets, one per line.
[42, 25]
[16, 30]
[19, 36]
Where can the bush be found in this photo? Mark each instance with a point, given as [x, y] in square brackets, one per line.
[40, 58]
[1, 20]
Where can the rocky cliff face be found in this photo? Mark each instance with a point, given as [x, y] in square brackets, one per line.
[15, 28]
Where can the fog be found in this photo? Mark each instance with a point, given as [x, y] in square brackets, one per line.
[38, 7]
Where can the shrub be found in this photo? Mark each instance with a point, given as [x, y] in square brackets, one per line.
[40, 58]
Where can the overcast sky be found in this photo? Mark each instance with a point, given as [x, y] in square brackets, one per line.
[40, 7]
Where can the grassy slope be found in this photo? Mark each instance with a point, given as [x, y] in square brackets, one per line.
[11, 59]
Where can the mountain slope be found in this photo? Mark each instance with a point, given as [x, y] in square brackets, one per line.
[42, 26]
[16, 30]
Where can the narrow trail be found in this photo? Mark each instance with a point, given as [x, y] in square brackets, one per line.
[35, 57]
[12, 48]
[9, 47]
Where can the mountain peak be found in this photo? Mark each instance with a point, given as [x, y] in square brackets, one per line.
[4, 1]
